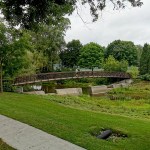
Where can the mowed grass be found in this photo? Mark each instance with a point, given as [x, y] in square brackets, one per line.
[4, 146]
[76, 125]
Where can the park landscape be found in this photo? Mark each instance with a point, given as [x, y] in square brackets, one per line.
[38, 48]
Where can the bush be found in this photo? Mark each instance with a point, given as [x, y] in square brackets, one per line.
[111, 64]
[27, 88]
[145, 77]
[133, 71]
[7, 86]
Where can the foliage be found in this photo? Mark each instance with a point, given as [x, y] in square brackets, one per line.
[139, 53]
[145, 77]
[49, 40]
[30, 13]
[16, 53]
[133, 71]
[70, 55]
[111, 64]
[123, 50]
[91, 56]
[12, 50]
[145, 60]
[34, 61]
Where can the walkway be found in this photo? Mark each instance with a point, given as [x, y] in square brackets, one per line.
[24, 137]
[45, 77]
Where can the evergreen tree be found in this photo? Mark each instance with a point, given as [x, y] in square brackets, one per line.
[145, 60]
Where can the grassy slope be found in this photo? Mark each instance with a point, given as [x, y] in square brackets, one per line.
[75, 125]
[132, 102]
[4, 146]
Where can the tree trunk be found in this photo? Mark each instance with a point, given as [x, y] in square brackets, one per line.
[1, 78]
[92, 70]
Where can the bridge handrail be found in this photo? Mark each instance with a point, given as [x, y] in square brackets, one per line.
[67, 75]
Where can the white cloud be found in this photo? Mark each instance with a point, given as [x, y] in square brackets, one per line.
[131, 24]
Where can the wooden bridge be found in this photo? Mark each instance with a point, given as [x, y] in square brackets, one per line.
[45, 77]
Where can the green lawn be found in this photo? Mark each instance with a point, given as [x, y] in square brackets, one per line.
[76, 125]
[4, 146]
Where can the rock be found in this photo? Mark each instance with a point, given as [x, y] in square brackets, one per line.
[98, 90]
[129, 81]
[124, 85]
[36, 92]
[105, 134]
[69, 91]
[114, 86]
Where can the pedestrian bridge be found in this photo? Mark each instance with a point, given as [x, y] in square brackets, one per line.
[52, 76]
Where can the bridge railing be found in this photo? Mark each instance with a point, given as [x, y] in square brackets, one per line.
[67, 75]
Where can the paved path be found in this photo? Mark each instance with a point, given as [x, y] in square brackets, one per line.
[24, 137]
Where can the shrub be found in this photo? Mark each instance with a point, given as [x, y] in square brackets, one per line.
[27, 88]
[145, 77]
[111, 64]
[133, 71]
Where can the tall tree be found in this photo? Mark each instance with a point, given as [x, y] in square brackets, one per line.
[29, 13]
[145, 60]
[12, 50]
[49, 40]
[92, 55]
[123, 50]
[139, 53]
[70, 56]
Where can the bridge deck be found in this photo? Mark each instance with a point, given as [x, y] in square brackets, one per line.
[44, 77]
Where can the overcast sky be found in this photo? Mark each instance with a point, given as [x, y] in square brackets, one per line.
[131, 24]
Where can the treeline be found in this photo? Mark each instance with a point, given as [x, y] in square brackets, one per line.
[25, 52]
[117, 56]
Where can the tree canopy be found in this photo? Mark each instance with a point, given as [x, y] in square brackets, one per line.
[12, 51]
[145, 60]
[70, 55]
[29, 13]
[111, 64]
[92, 55]
[123, 50]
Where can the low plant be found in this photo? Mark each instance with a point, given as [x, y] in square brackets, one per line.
[133, 71]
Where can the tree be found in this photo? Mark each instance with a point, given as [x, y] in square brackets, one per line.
[29, 13]
[145, 60]
[12, 50]
[92, 55]
[49, 40]
[123, 50]
[111, 64]
[70, 56]
[139, 52]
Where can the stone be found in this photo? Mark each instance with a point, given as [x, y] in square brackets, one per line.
[36, 92]
[115, 86]
[98, 90]
[69, 91]
[129, 81]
